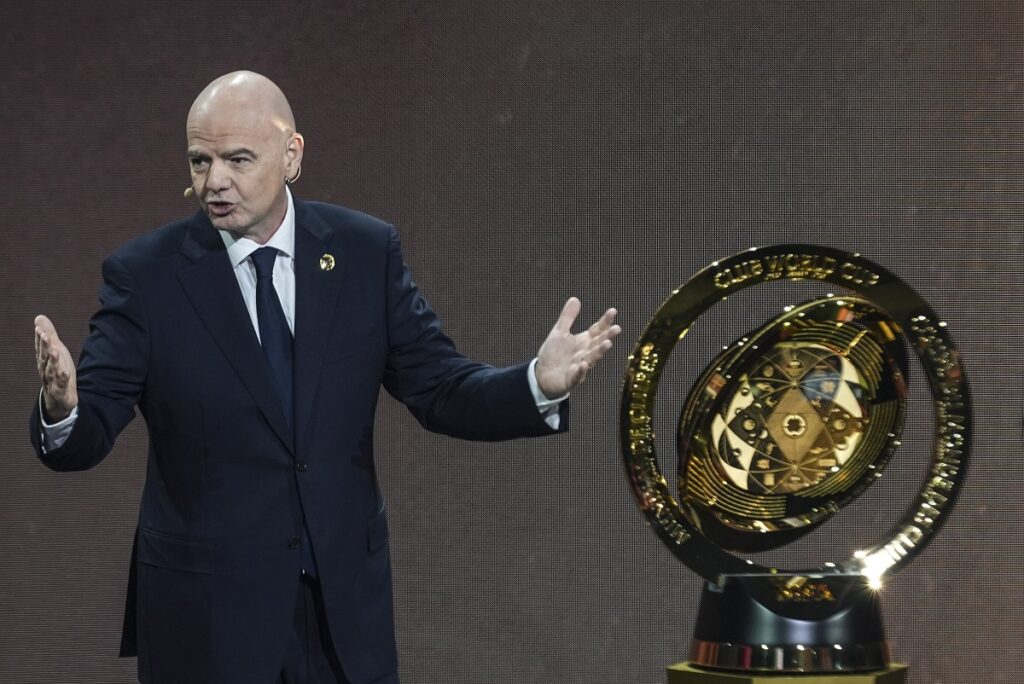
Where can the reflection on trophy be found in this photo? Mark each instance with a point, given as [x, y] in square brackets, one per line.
[784, 427]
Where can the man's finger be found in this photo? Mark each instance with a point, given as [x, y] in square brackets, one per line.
[45, 325]
[45, 349]
[603, 323]
[48, 337]
[49, 364]
[42, 351]
[581, 372]
[39, 349]
[612, 332]
[42, 354]
[607, 334]
[597, 352]
[576, 374]
[568, 316]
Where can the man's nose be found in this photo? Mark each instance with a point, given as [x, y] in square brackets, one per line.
[217, 178]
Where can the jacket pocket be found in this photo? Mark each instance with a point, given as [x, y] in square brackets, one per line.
[174, 552]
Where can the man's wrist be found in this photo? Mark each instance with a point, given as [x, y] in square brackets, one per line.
[49, 417]
[540, 396]
[53, 435]
[52, 417]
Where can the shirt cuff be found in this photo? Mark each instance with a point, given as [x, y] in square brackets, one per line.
[548, 407]
[54, 435]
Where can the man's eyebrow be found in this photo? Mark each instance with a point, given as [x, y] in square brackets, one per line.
[238, 152]
[196, 154]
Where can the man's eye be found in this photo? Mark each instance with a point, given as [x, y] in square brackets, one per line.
[239, 161]
[196, 163]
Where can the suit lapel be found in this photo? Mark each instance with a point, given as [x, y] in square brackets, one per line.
[317, 284]
[211, 285]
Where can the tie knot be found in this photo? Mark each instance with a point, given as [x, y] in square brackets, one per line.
[263, 259]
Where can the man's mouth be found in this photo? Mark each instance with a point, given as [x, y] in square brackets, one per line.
[220, 208]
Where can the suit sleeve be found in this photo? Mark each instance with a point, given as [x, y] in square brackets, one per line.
[444, 390]
[111, 374]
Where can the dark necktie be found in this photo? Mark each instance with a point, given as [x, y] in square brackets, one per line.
[279, 348]
[275, 335]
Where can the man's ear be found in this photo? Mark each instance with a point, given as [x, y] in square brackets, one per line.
[293, 155]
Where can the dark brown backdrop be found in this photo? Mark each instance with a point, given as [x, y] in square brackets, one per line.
[529, 151]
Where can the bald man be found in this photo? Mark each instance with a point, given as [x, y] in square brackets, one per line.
[254, 337]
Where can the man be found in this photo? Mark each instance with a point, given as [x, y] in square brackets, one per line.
[254, 338]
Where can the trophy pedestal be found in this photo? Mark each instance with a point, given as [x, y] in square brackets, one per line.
[684, 673]
[790, 623]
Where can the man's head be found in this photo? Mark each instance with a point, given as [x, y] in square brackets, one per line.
[242, 146]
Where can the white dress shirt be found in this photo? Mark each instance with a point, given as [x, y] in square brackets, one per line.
[239, 250]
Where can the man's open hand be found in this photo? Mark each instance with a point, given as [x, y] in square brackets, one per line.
[564, 358]
[56, 371]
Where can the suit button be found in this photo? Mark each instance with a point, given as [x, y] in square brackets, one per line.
[294, 542]
[302, 466]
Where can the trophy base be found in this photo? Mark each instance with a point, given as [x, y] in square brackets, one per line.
[686, 673]
[790, 623]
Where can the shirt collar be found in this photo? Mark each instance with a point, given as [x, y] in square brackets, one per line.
[283, 239]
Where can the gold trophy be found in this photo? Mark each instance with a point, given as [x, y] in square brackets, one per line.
[785, 426]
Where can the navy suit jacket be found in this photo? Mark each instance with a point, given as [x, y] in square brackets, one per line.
[214, 570]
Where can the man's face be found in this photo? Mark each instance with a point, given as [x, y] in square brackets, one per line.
[239, 158]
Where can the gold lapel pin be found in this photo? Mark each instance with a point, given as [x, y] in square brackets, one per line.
[327, 262]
